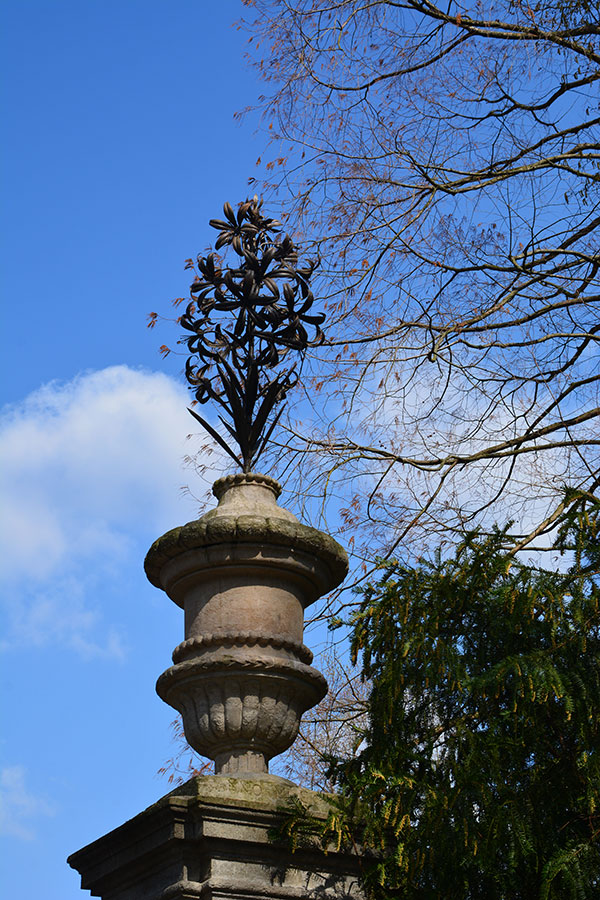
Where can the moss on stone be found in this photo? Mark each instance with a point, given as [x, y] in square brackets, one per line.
[212, 530]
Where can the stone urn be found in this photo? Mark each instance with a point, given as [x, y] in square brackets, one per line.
[243, 574]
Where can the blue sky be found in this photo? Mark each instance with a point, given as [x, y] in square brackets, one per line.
[121, 145]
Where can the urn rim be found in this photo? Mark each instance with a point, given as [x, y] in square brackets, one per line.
[222, 485]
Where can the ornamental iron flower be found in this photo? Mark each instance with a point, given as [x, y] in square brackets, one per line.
[249, 328]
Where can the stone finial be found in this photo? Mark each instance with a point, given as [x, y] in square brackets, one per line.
[243, 574]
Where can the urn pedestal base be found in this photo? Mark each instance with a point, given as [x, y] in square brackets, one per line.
[209, 840]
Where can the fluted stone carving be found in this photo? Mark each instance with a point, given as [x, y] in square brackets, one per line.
[243, 574]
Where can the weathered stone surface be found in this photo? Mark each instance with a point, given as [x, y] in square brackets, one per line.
[210, 839]
[233, 705]
[241, 679]
[243, 574]
[248, 513]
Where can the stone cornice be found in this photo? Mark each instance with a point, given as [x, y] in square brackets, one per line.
[209, 838]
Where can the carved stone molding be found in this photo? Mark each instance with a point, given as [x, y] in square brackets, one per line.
[243, 638]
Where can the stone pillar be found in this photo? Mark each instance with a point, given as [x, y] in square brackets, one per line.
[242, 678]
[209, 840]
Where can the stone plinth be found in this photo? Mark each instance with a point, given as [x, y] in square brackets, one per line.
[244, 574]
[210, 839]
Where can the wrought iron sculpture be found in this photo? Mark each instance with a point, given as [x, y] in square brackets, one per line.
[245, 322]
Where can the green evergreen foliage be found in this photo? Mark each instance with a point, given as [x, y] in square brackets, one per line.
[478, 777]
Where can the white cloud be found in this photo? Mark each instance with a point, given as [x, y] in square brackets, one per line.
[19, 808]
[89, 466]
